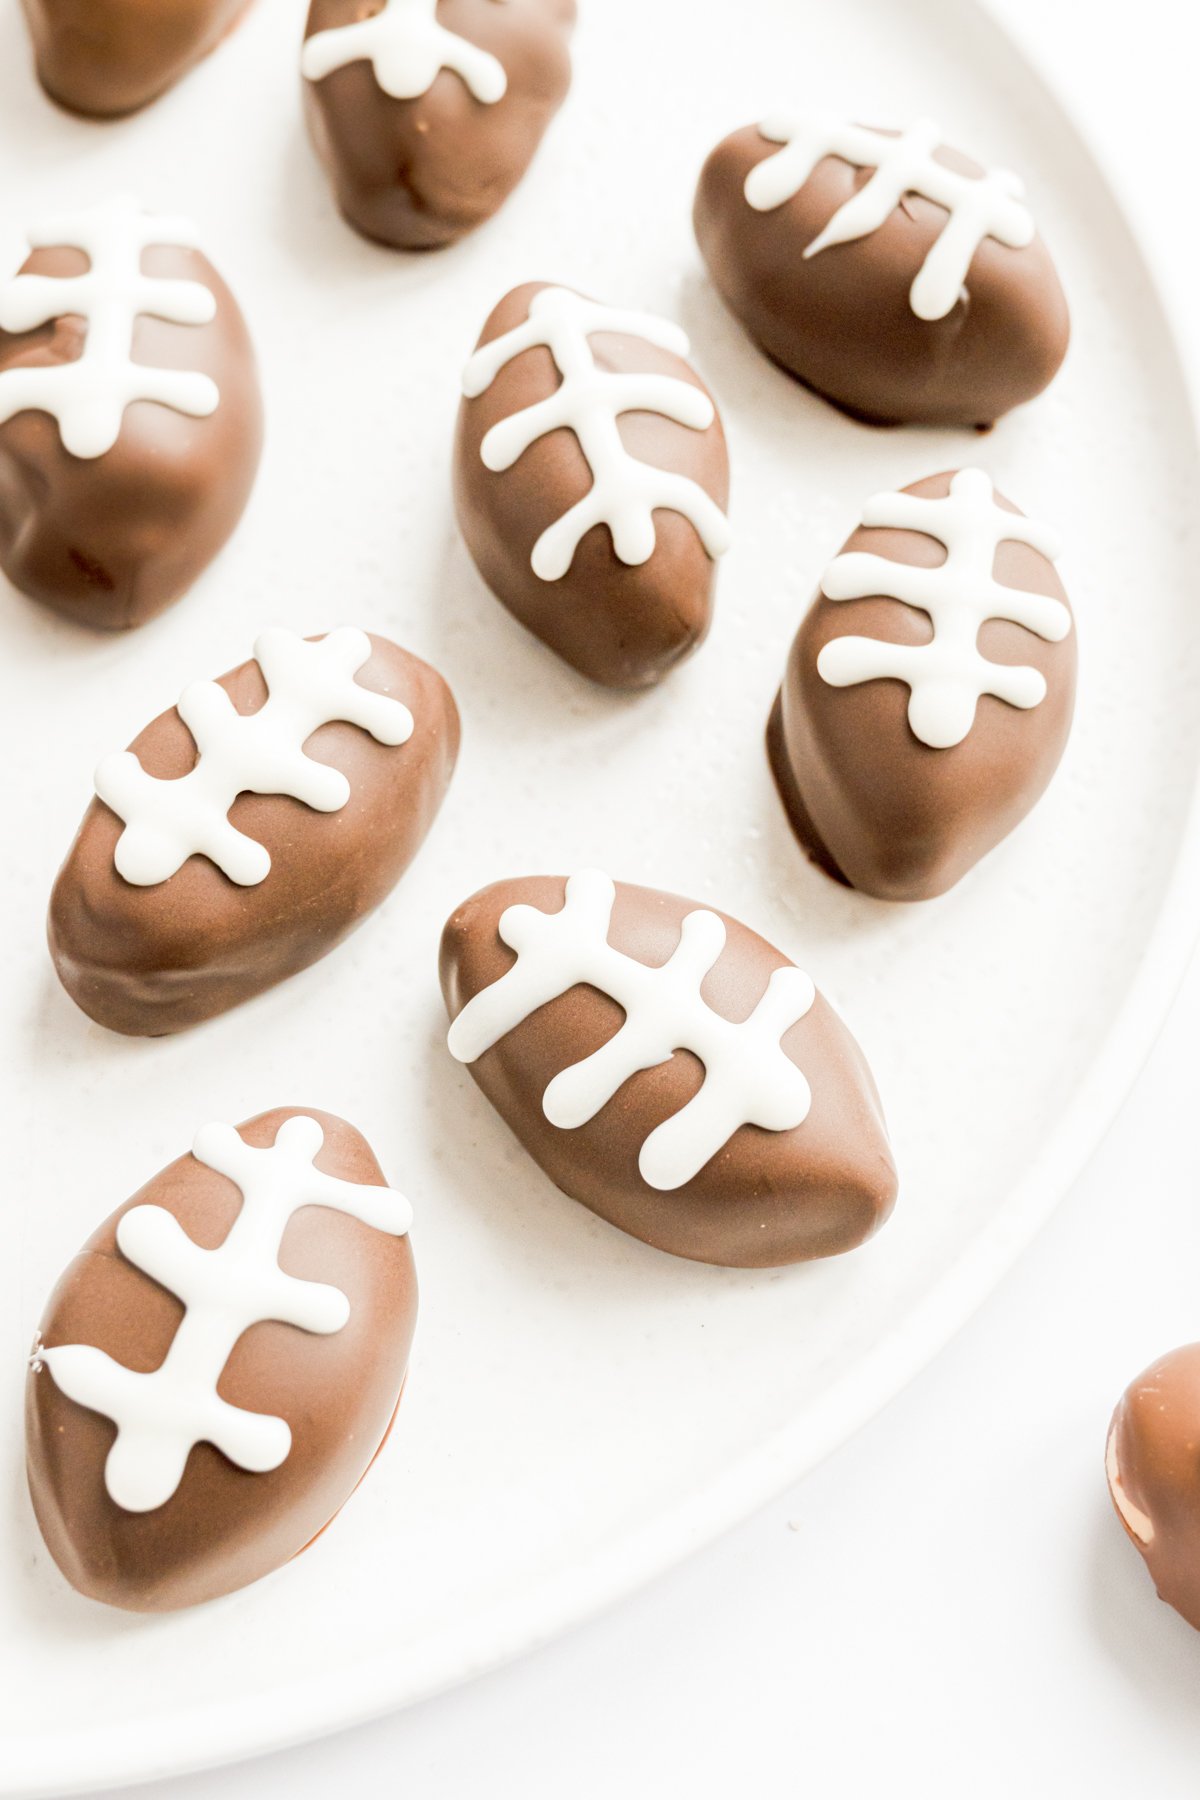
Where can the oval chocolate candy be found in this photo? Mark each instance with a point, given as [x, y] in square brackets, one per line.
[219, 1366]
[669, 1068]
[890, 273]
[591, 479]
[130, 413]
[427, 113]
[929, 691]
[104, 58]
[250, 829]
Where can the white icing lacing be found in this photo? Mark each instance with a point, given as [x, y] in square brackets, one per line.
[159, 1416]
[990, 205]
[748, 1078]
[589, 401]
[408, 49]
[309, 685]
[88, 397]
[948, 675]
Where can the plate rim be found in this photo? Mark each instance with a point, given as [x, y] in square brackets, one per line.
[220, 1733]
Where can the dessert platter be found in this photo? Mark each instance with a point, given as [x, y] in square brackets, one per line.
[602, 715]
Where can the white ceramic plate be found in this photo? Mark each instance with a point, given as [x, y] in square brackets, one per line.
[582, 1410]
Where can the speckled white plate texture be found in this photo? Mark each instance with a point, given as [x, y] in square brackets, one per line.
[582, 1410]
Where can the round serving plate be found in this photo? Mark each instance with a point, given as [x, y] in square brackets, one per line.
[582, 1410]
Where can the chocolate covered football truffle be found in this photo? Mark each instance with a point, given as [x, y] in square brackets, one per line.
[250, 829]
[130, 415]
[669, 1068]
[1153, 1465]
[590, 478]
[889, 272]
[929, 691]
[107, 57]
[219, 1366]
[427, 113]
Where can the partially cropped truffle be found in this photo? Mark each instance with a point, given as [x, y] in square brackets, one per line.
[889, 272]
[108, 57]
[219, 1366]
[668, 1068]
[427, 113]
[929, 691]
[591, 478]
[1153, 1465]
[130, 414]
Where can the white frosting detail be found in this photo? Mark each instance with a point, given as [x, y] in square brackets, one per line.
[88, 397]
[990, 205]
[748, 1078]
[589, 401]
[309, 685]
[948, 675]
[1139, 1523]
[407, 49]
[159, 1416]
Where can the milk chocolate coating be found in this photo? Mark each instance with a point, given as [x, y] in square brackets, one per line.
[421, 173]
[1153, 1467]
[841, 320]
[768, 1197]
[111, 540]
[224, 1526]
[151, 960]
[623, 626]
[870, 803]
[108, 57]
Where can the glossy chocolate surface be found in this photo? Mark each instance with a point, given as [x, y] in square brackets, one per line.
[622, 625]
[420, 173]
[224, 1526]
[1153, 1467]
[108, 57]
[842, 320]
[768, 1197]
[150, 960]
[870, 803]
[111, 540]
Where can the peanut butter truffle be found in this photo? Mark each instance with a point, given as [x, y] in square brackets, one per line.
[1152, 1460]
[427, 113]
[103, 58]
[929, 692]
[130, 414]
[591, 479]
[218, 1368]
[669, 1068]
[250, 829]
[887, 271]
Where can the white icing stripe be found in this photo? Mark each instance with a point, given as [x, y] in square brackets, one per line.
[748, 1079]
[159, 1416]
[88, 397]
[948, 675]
[589, 401]
[309, 685]
[990, 205]
[407, 49]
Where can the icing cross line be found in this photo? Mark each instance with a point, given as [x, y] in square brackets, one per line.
[948, 676]
[88, 396]
[589, 401]
[308, 685]
[407, 49]
[160, 1416]
[748, 1078]
[978, 207]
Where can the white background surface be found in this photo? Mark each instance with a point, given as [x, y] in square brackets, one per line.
[946, 1606]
